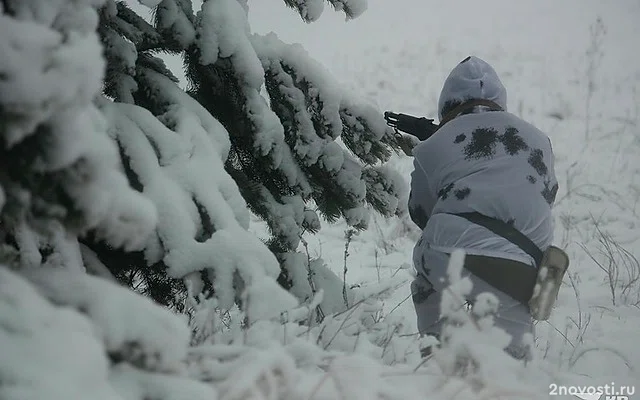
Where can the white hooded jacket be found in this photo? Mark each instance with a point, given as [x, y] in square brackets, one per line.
[491, 162]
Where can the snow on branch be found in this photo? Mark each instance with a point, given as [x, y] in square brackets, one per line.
[223, 32]
[177, 158]
[227, 77]
[318, 104]
[133, 27]
[288, 145]
[57, 162]
[314, 112]
[365, 132]
[311, 10]
[283, 150]
[122, 54]
[322, 159]
[308, 83]
[387, 190]
[174, 20]
[351, 8]
[307, 106]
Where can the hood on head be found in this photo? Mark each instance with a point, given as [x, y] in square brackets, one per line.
[473, 78]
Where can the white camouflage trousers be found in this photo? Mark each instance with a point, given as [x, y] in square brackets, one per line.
[512, 316]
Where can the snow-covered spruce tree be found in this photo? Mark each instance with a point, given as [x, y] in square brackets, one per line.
[292, 141]
[64, 334]
[59, 171]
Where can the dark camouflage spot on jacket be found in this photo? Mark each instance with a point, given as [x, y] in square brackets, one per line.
[444, 192]
[513, 142]
[460, 138]
[482, 145]
[532, 179]
[462, 194]
[536, 160]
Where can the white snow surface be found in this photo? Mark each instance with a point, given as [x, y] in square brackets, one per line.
[47, 351]
[60, 332]
[115, 312]
[135, 384]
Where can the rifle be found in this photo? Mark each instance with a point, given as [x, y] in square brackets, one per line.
[422, 128]
[419, 129]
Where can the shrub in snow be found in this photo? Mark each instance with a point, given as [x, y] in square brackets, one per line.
[285, 358]
[262, 129]
[361, 354]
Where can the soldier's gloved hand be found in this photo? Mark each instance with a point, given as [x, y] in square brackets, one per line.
[407, 143]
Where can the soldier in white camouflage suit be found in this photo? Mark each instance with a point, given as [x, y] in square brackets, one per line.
[483, 175]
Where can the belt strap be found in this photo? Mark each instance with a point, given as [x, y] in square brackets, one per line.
[511, 277]
[507, 231]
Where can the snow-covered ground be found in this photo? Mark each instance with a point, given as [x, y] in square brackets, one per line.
[574, 77]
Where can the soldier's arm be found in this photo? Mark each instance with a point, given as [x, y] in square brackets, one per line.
[422, 199]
